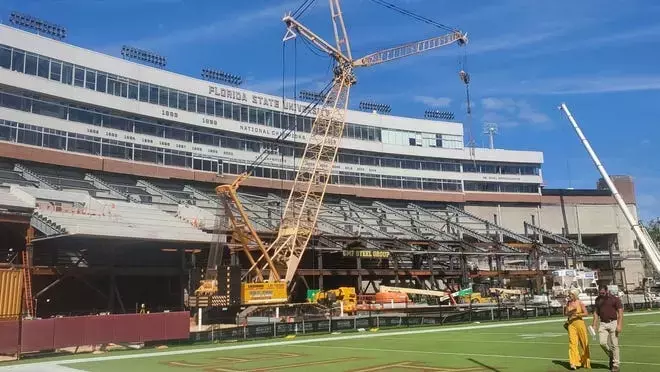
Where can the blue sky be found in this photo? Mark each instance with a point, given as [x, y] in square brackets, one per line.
[525, 57]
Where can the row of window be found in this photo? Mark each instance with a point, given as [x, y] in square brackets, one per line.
[103, 118]
[494, 168]
[75, 142]
[501, 187]
[70, 74]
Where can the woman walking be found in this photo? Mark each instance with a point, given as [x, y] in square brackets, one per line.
[577, 332]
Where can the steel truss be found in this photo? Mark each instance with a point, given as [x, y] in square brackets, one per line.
[417, 236]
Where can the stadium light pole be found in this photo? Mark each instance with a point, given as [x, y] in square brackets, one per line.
[136, 54]
[41, 26]
[221, 77]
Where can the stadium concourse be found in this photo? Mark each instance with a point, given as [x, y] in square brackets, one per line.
[110, 242]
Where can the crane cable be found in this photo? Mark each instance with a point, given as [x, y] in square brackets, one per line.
[302, 8]
[292, 125]
[413, 15]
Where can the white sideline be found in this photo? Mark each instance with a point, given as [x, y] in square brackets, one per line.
[462, 354]
[253, 345]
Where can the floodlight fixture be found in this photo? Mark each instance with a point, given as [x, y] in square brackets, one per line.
[372, 106]
[439, 115]
[129, 52]
[42, 27]
[491, 130]
[221, 77]
[306, 95]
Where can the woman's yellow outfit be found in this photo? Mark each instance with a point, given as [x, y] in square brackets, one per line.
[577, 336]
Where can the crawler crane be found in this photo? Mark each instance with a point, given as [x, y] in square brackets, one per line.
[271, 275]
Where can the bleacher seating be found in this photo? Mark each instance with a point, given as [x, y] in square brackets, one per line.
[200, 218]
[128, 185]
[9, 201]
[124, 219]
[65, 178]
[10, 177]
[175, 189]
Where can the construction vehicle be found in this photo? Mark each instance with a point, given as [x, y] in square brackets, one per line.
[441, 295]
[276, 263]
[476, 298]
[345, 296]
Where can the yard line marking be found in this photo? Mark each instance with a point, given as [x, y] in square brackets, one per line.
[591, 343]
[460, 354]
[296, 342]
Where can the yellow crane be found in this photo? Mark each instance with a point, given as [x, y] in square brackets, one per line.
[276, 265]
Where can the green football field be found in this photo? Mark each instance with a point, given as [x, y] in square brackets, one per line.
[525, 346]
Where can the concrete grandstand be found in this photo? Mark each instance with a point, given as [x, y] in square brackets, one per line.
[128, 239]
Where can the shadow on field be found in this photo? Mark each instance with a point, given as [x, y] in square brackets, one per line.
[493, 369]
[567, 365]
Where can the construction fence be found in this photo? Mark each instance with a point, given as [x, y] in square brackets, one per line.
[369, 321]
[37, 335]
[277, 328]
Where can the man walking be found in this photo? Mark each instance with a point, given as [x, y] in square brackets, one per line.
[608, 320]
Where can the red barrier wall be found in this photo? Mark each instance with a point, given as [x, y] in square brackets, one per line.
[8, 336]
[54, 333]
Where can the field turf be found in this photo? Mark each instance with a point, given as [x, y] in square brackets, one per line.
[526, 346]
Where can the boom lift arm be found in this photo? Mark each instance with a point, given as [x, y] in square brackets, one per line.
[643, 237]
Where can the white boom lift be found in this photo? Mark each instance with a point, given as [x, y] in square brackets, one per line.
[643, 237]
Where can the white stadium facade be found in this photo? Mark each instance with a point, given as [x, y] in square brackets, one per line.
[114, 164]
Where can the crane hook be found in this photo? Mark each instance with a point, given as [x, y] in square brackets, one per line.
[465, 77]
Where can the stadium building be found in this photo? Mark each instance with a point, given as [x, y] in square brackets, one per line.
[114, 164]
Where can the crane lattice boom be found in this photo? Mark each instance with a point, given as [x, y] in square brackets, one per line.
[282, 257]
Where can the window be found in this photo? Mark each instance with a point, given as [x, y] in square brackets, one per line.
[162, 96]
[67, 73]
[31, 64]
[183, 101]
[148, 154]
[179, 159]
[174, 99]
[153, 94]
[56, 70]
[5, 57]
[7, 131]
[48, 109]
[44, 67]
[101, 82]
[201, 105]
[84, 144]
[90, 79]
[133, 90]
[84, 116]
[144, 92]
[117, 149]
[29, 135]
[205, 165]
[79, 77]
[54, 139]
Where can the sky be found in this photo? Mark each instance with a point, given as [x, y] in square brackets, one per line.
[524, 58]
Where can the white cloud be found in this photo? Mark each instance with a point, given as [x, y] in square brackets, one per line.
[507, 112]
[638, 35]
[274, 86]
[433, 101]
[229, 26]
[491, 103]
[579, 85]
